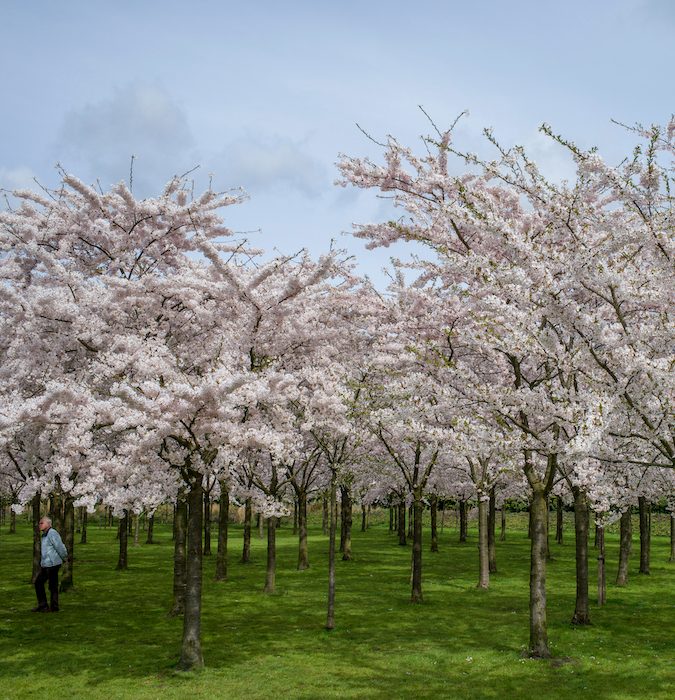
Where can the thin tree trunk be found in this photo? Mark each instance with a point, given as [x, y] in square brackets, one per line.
[411, 520]
[538, 633]
[123, 532]
[37, 544]
[295, 516]
[330, 617]
[364, 518]
[180, 516]
[645, 533]
[463, 520]
[303, 550]
[246, 552]
[492, 521]
[83, 528]
[401, 524]
[416, 593]
[69, 541]
[582, 614]
[625, 543]
[602, 582]
[391, 519]
[324, 515]
[483, 554]
[191, 651]
[223, 523]
[502, 534]
[207, 525]
[137, 523]
[346, 533]
[270, 573]
[12, 522]
[151, 529]
[559, 520]
[261, 525]
[434, 528]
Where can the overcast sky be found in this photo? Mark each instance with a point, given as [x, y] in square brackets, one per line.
[265, 94]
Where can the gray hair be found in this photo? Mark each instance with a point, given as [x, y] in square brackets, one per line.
[46, 519]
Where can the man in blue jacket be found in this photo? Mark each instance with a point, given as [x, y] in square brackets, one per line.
[53, 555]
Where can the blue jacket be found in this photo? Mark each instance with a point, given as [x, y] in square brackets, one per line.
[53, 550]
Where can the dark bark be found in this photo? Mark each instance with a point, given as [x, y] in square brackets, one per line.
[123, 534]
[538, 633]
[502, 535]
[492, 523]
[602, 582]
[137, 526]
[68, 536]
[332, 527]
[401, 524]
[411, 520]
[223, 523]
[191, 650]
[434, 519]
[37, 545]
[346, 529]
[559, 520]
[463, 520]
[303, 550]
[582, 614]
[207, 525]
[483, 554]
[645, 533]
[416, 593]
[180, 516]
[83, 526]
[625, 544]
[295, 517]
[246, 551]
[391, 519]
[364, 518]
[12, 522]
[151, 530]
[324, 515]
[270, 573]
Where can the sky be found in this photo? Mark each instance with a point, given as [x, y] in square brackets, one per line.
[266, 95]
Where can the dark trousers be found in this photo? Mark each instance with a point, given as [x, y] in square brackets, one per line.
[51, 574]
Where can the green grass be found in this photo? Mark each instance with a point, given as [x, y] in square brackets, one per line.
[113, 639]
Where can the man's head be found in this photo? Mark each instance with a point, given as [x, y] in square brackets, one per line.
[45, 523]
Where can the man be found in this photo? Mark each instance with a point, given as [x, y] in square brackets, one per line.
[54, 553]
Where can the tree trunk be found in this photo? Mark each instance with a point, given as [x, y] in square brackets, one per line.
[137, 523]
[180, 516]
[346, 531]
[191, 650]
[223, 523]
[37, 544]
[83, 527]
[502, 535]
[434, 528]
[416, 593]
[411, 520]
[261, 525]
[401, 524]
[303, 551]
[582, 614]
[625, 543]
[538, 633]
[207, 525]
[645, 533]
[602, 582]
[559, 520]
[492, 521]
[123, 533]
[483, 554]
[330, 617]
[295, 516]
[12, 522]
[151, 529]
[324, 515]
[246, 552]
[69, 541]
[270, 574]
[364, 518]
[463, 520]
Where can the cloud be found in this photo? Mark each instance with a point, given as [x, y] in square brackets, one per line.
[17, 178]
[261, 164]
[139, 120]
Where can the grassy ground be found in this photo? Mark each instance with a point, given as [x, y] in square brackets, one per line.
[113, 639]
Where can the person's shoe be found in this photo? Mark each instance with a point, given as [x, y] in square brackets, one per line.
[40, 608]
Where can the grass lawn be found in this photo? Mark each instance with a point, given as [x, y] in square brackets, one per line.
[113, 639]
